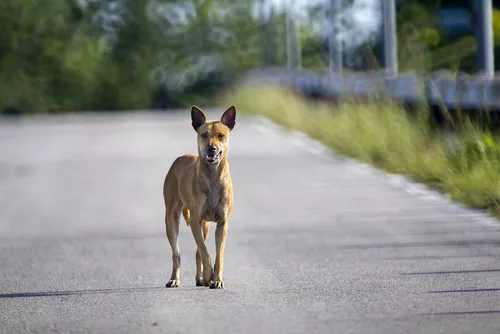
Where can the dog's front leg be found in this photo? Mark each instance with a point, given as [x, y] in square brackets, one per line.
[202, 249]
[220, 242]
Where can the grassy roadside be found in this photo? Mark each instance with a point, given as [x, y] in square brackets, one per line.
[385, 136]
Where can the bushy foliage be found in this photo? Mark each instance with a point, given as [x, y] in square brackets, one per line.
[62, 55]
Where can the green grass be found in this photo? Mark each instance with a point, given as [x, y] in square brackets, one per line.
[386, 136]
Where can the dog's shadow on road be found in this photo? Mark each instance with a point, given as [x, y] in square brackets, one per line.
[83, 292]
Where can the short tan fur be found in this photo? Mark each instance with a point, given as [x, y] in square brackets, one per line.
[200, 187]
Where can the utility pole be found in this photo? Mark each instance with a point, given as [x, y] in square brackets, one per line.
[293, 45]
[485, 53]
[334, 42]
[264, 34]
[390, 37]
[271, 38]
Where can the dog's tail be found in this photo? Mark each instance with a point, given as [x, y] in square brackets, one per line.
[186, 214]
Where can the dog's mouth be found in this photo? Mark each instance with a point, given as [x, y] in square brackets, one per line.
[212, 158]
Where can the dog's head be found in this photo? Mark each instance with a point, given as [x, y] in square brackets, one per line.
[213, 136]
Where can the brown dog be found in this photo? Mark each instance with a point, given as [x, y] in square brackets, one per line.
[200, 187]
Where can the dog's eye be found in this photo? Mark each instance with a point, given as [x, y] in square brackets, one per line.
[221, 136]
[204, 136]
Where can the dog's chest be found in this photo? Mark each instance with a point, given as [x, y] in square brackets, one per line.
[214, 198]
[216, 204]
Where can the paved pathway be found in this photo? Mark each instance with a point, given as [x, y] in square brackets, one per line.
[316, 244]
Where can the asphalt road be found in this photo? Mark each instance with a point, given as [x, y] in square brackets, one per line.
[316, 243]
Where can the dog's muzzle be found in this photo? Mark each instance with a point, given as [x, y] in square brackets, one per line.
[212, 156]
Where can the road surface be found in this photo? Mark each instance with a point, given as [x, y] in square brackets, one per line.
[316, 243]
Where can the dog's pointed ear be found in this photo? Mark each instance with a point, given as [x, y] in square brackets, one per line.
[197, 117]
[229, 117]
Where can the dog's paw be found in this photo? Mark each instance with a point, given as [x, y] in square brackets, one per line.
[173, 283]
[199, 282]
[208, 277]
[206, 283]
[216, 285]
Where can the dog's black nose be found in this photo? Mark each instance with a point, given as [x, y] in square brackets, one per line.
[211, 149]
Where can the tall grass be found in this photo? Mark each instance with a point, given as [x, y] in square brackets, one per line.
[388, 137]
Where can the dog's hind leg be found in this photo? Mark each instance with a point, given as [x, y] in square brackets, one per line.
[187, 215]
[202, 249]
[205, 226]
[172, 220]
